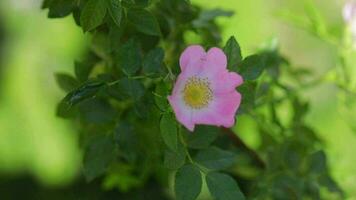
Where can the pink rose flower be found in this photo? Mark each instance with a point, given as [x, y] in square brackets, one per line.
[349, 14]
[349, 11]
[205, 91]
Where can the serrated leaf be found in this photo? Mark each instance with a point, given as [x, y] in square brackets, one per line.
[169, 130]
[129, 57]
[115, 10]
[66, 82]
[215, 158]
[252, 67]
[188, 183]
[202, 137]
[99, 153]
[152, 63]
[233, 52]
[223, 187]
[144, 21]
[174, 160]
[93, 14]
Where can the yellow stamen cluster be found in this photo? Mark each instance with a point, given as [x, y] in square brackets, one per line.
[197, 93]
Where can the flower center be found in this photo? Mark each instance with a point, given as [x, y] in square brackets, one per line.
[197, 93]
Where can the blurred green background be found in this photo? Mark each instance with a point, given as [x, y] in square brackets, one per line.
[34, 143]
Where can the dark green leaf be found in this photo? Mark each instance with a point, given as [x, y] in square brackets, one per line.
[99, 153]
[233, 52]
[168, 128]
[174, 160]
[66, 82]
[127, 89]
[214, 158]
[144, 21]
[252, 67]
[161, 94]
[126, 139]
[115, 11]
[207, 16]
[82, 70]
[223, 187]
[129, 57]
[317, 162]
[93, 14]
[152, 63]
[202, 137]
[248, 93]
[188, 183]
[88, 90]
[59, 8]
[136, 3]
[97, 111]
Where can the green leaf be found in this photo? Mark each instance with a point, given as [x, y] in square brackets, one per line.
[248, 93]
[93, 14]
[66, 82]
[161, 93]
[223, 187]
[99, 153]
[252, 67]
[127, 141]
[202, 137]
[88, 90]
[129, 57]
[127, 89]
[135, 3]
[115, 11]
[174, 160]
[207, 16]
[59, 8]
[153, 61]
[97, 111]
[233, 52]
[168, 128]
[188, 183]
[317, 162]
[144, 21]
[82, 70]
[215, 158]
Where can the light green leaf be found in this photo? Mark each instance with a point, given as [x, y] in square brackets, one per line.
[223, 187]
[188, 183]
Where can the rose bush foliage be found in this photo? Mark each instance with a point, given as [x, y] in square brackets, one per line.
[117, 99]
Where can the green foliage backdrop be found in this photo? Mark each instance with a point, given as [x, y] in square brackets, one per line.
[131, 140]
